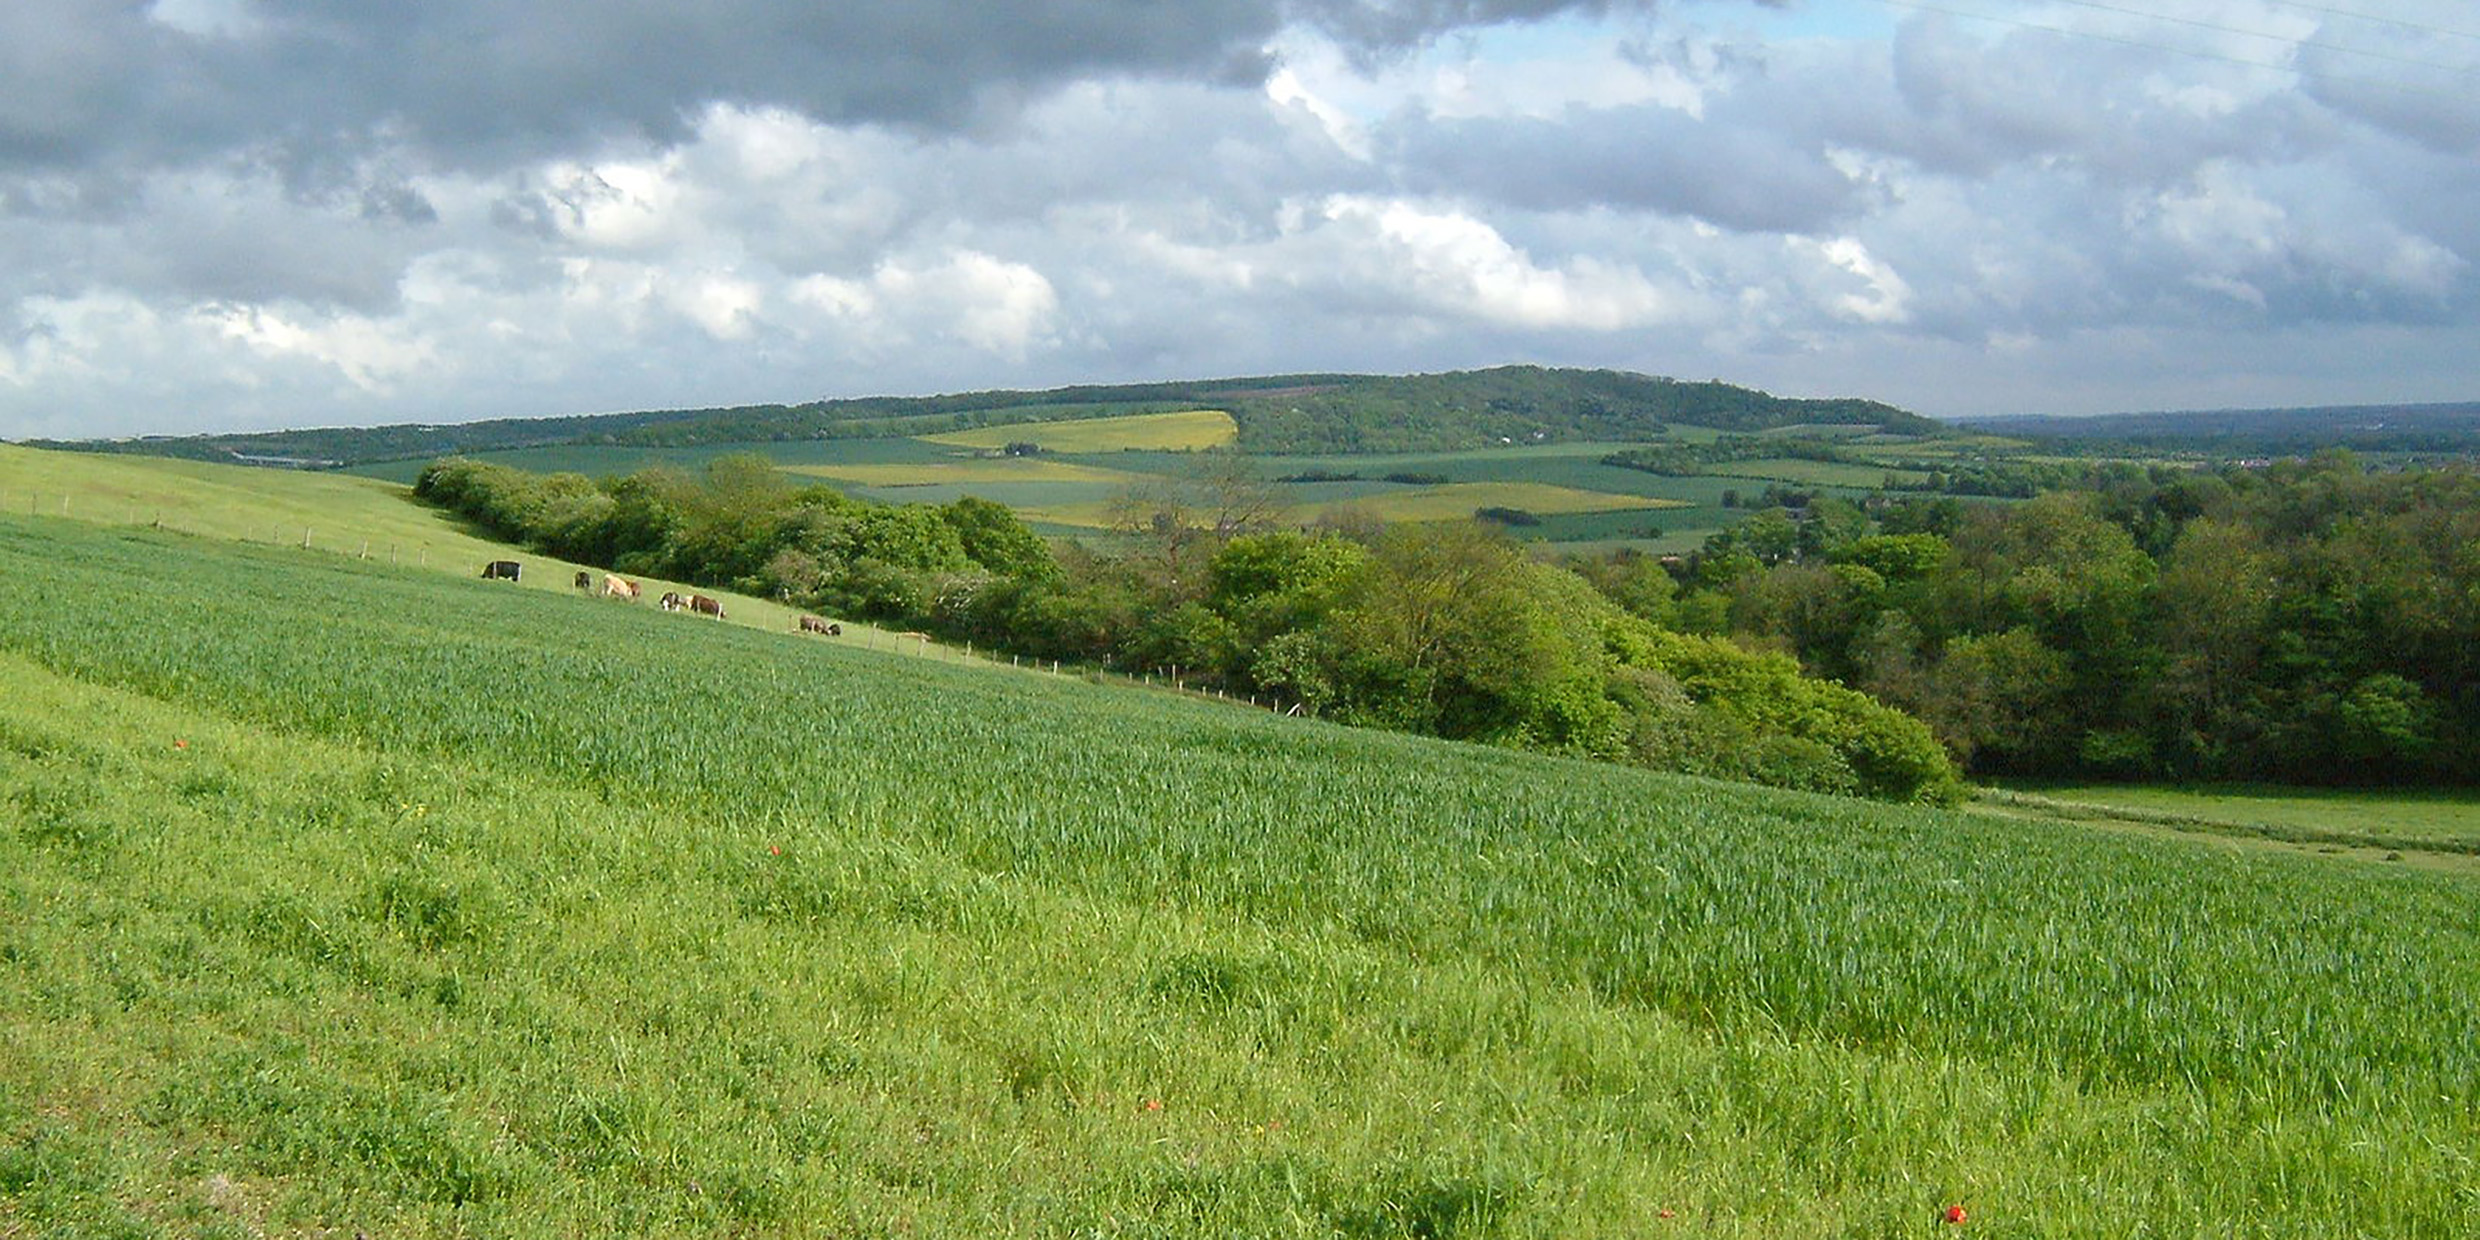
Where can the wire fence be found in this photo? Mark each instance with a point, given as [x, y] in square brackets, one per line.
[137, 511]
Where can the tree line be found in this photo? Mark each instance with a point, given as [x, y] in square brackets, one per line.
[1449, 629]
[2314, 621]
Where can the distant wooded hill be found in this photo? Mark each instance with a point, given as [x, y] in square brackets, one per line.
[2453, 428]
[1321, 413]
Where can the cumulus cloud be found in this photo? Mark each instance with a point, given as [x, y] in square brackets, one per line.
[1453, 263]
[240, 213]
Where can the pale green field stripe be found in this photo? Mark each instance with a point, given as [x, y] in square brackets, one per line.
[1173, 432]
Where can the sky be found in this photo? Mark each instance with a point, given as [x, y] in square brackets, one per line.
[226, 215]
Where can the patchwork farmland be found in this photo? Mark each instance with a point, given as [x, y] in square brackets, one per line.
[1086, 471]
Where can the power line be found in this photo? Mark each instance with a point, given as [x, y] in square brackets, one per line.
[2259, 34]
[2195, 53]
[2371, 17]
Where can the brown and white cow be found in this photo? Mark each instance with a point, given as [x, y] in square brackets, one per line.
[705, 606]
[585, 580]
[813, 624]
[619, 587]
[672, 600]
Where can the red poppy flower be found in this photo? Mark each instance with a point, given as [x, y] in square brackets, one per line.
[1954, 1214]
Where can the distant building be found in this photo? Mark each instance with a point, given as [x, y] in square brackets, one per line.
[284, 462]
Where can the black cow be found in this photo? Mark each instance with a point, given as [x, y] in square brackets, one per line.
[500, 570]
[585, 580]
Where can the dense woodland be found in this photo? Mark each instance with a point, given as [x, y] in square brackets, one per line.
[2448, 429]
[1447, 629]
[2312, 621]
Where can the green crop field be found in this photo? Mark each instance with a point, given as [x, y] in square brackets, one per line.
[1093, 463]
[340, 514]
[1814, 473]
[966, 472]
[1457, 500]
[1174, 432]
[2445, 821]
[605, 460]
[344, 897]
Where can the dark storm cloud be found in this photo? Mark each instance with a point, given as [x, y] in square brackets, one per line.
[478, 83]
[1378, 25]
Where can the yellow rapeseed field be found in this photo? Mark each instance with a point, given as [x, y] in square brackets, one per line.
[1150, 432]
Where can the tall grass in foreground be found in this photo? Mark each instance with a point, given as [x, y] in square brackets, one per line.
[467, 909]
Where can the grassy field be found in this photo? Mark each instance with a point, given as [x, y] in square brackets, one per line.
[606, 460]
[1157, 432]
[1814, 473]
[369, 899]
[1458, 500]
[1091, 463]
[2442, 821]
[974, 471]
[331, 513]
[1450, 502]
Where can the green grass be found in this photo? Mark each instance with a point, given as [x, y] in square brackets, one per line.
[966, 472]
[1683, 529]
[332, 514]
[1458, 501]
[1070, 490]
[2441, 820]
[606, 460]
[336, 897]
[332, 511]
[1814, 473]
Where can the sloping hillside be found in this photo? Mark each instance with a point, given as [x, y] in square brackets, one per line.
[367, 899]
[359, 518]
[1284, 413]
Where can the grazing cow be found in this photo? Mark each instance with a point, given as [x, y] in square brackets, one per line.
[500, 570]
[813, 624]
[619, 587]
[585, 580]
[834, 629]
[705, 606]
[912, 637]
[672, 601]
